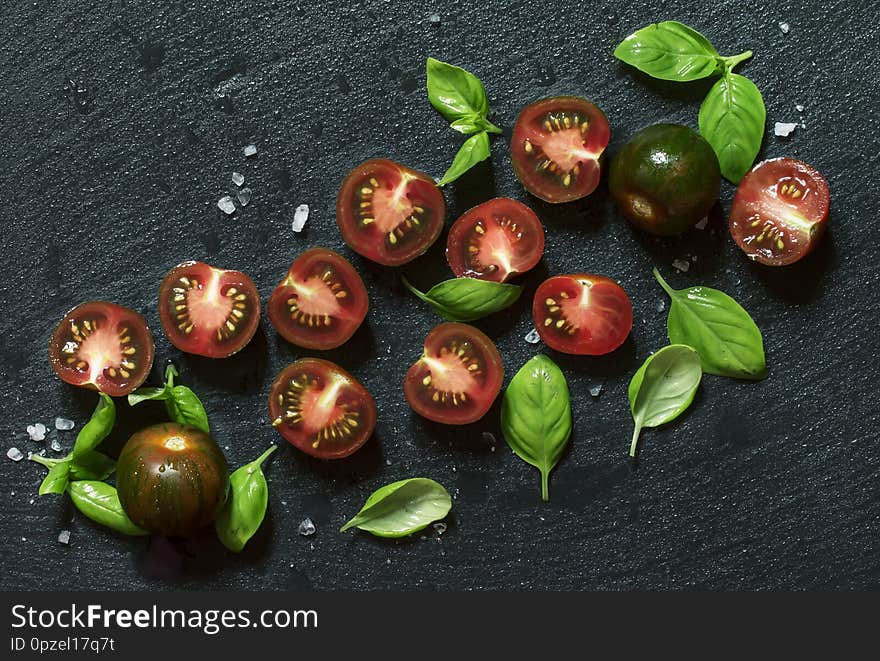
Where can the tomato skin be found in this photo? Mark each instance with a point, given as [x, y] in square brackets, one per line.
[588, 315]
[230, 298]
[469, 361]
[505, 225]
[172, 479]
[780, 211]
[665, 179]
[335, 431]
[343, 301]
[115, 338]
[543, 130]
[389, 213]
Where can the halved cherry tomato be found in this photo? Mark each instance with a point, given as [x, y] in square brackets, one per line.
[321, 409]
[102, 346]
[587, 315]
[208, 311]
[495, 241]
[389, 213]
[556, 146]
[458, 376]
[780, 211]
[321, 301]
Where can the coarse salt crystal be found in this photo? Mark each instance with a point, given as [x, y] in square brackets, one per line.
[250, 150]
[226, 205]
[532, 337]
[784, 129]
[799, 108]
[702, 222]
[681, 264]
[244, 196]
[63, 424]
[306, 527]
[300, 216]
[434, 18]
[55, 445]
[64, 537]
[661, 305]
[237, 178]
[785, 27]
[37, 432]
[595, 391]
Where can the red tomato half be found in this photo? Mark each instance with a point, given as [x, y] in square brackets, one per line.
[583, 314]
[321, 302]
[102, 346]
[389, 213]
[779, 211]
[495, 241]
[556, 146]
[458, 376]
[321, 409]
[208, 311]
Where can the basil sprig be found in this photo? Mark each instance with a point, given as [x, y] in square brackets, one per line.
[732, 115]
[402, 508]
[460, 97]
[536, 416]
[245, 507]
[726, 337]
[467, 299]
[662, 388]
[99, 501]
[182, 404]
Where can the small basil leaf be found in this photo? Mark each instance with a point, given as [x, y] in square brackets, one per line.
[726, 337]
[670, 51]
[732, 120]
[467, 299]
[92, 466]
[100, 502]
[56, 480]
[245, 507]
[97, 428]
[402, 508]
[454, 92]
[474, 150]
[184, 407]
[144, 394]
[467, 124]
[536, 416]
[662, 388]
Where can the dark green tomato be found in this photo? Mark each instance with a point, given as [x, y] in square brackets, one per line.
[665, 179]
[172, 479]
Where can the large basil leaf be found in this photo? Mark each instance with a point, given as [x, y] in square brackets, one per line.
[96, 429]
[670, 51]
[99, 501]
[402, 508]
[454, 92]
[727, 339]
[536, 416]
[466, 299]
[474, 150]
[245, 507]
[732, 120]
[662, 388]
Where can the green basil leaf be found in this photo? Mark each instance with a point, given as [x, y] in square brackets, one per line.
[56, 480]
[184, 407]
[144, 394]
[92, 466]
[97, 428]
[467, 124]
[100, 502]
[670, 51]
[726, 337]
[402, 508]
[474, 150]
[245, 507]
[732, 120]
[536, 416]
[663, 387]
[467, 299]
[454, 92]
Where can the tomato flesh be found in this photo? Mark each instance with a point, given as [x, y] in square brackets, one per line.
[321, 409]
[321, 301]
[388, 212]
[102, 346]
[458, 376]
[495, 241]
[208, 311]
[780, 211]
[583, 314]
[556, 147]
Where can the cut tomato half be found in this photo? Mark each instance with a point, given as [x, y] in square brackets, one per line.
[495, 240]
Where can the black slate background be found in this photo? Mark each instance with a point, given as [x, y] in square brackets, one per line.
[119, 129]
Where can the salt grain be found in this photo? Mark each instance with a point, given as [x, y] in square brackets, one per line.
[300, 216]
[15, 454]
[55, 445]
[532, 337]
[799, 108]
[702, 222]
[244, 196]
[785, 27]
[250, 150]
[681, 264]
[63, 424]
[37, 432]
[784, 129]
[226, 205]
[387, 462]
[64, 537]
[595, 391]
[306, 527]
[661, 305]
[237, 178]
[434, 18]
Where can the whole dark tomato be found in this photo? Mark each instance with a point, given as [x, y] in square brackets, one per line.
[321, 301]
[457, 377]
[321, 409]
[583, 314]
[172, 479]
[495, 240]
[389, 213]
[556, 147]
[665, 179]
[780, 211]
[102, 346]
[208, 311]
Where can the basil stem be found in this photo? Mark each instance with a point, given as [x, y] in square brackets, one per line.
[246, 505]
[467, 299]
[402, 508]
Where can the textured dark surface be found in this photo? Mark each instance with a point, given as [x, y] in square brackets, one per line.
[120, 129]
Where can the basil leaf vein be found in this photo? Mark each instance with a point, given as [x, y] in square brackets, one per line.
[467, 299]
[670, 51]
[402, 508]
